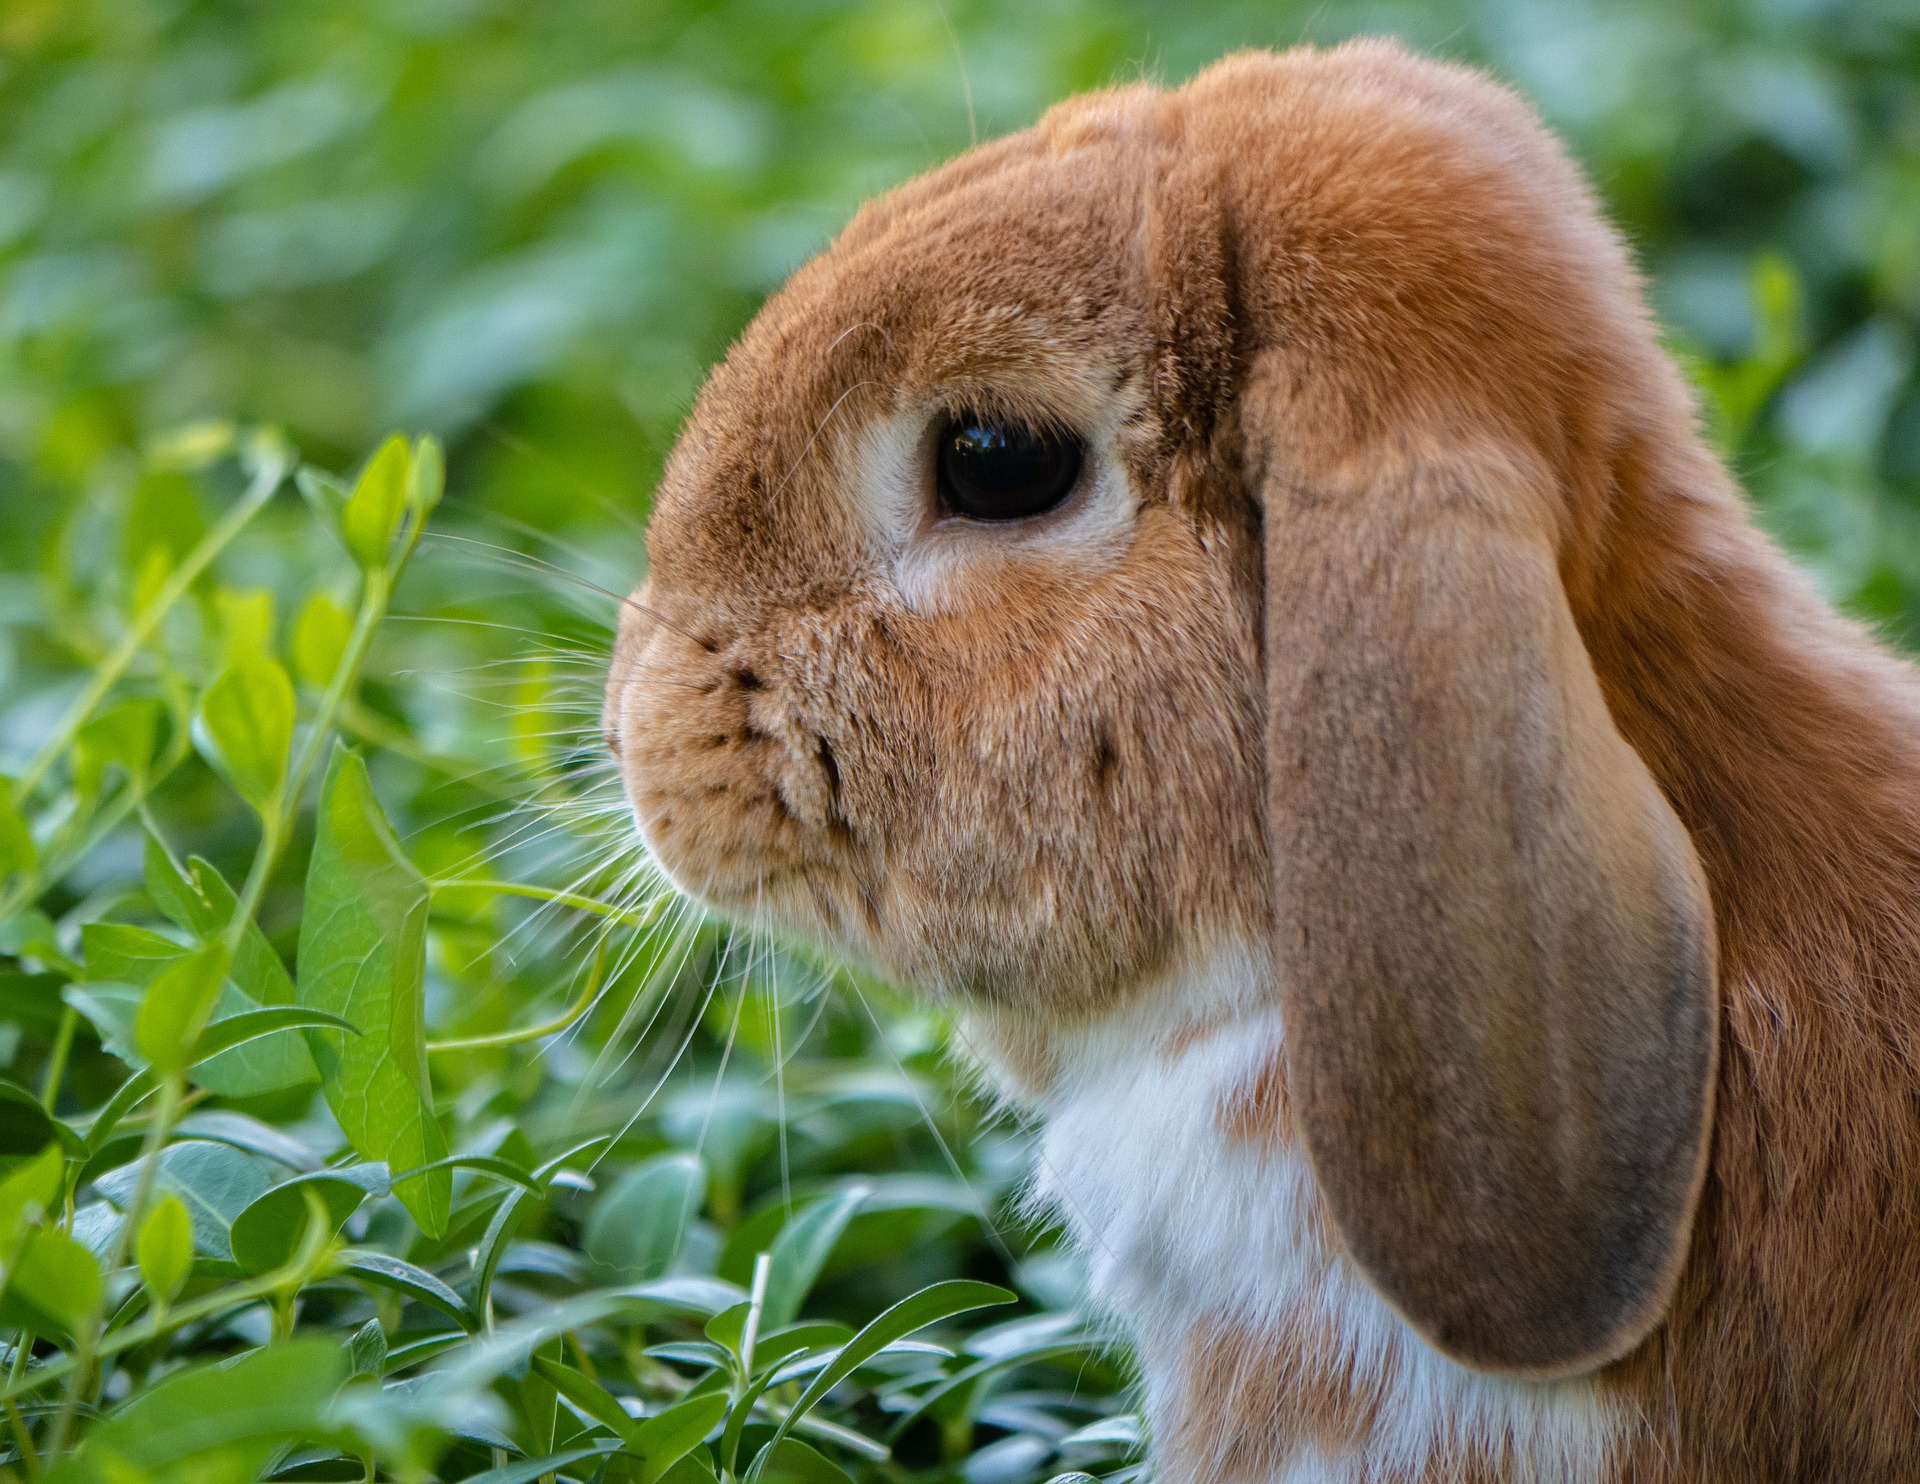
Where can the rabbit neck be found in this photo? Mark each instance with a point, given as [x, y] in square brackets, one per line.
[1168, 1153]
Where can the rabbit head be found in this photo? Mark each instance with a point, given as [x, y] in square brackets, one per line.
[1172, 526]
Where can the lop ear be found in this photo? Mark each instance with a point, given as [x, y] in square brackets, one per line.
[1493, 936]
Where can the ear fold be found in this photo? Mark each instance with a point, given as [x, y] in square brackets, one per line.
[1493, 937]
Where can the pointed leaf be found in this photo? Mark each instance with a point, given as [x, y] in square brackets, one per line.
[637, 1228]
[917, 1311]
[589, 1396]
[204, 906]
[55, 1276]
[177, 1007]
[363, 957]
[801, 1251]
[29, 1191]
[663, 1440]
[165, 1248]
[245, 727]
[372, 512]
[269, 1231]
[320, 638]
[404, 1277]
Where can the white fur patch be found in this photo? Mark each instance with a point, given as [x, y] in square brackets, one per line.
[1181, 1223]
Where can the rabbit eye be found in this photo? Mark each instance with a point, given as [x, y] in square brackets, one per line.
[990, 470]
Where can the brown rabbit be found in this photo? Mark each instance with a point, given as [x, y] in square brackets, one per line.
[1225, 589]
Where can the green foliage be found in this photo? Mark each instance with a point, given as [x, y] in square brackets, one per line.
[366, 1103]
[363, 946]
[313, 1184]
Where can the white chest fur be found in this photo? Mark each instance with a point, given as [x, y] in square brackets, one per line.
[1194, 1231]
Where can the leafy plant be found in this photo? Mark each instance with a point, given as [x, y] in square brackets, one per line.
[260, 1216]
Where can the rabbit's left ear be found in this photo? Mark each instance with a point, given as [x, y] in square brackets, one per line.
[1493, 937]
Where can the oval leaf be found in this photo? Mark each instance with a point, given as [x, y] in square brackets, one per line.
[165, 1248]
[372, 512]
[638, 1227]
[245, 727]
[177, 1007]
[363, 945]
[267, 1233]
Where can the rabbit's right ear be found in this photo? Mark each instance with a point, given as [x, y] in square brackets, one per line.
[1493, 937]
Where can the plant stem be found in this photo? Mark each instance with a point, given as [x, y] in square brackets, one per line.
[57, 1058]
[88, 1350]
[27, 1451]
[265, 482]
[153, 1328]
[573, 1012]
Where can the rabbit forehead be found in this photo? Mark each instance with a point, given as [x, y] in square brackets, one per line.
[1018, 289]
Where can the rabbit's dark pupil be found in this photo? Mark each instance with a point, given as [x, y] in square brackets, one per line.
[990, 470]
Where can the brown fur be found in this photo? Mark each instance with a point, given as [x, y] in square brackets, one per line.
[1046, 789]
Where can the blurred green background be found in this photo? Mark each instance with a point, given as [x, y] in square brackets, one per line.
[530, 226]
[526, 227]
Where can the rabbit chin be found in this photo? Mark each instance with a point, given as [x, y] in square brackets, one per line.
[1168, 1154]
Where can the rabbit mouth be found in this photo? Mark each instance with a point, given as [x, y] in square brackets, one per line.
[737, 796]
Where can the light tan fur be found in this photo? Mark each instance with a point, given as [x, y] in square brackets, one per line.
[1344, 313]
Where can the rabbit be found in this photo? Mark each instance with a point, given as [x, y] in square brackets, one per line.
[1225, 591]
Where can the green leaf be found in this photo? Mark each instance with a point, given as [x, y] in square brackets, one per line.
[426, 476]
[124, 738]
[262, 1397]
[163, 523]
[176, 1009]
[789, 1459]
[246, 625]
[25, 1126]
[638, 1227]
[591, 1398]
[404, 1277]
[165, 1248]
[373, 511]
[802, 1249]
[367, 1350]
[30, 1191]
[363, 957]
[18, 853]
[215, 1182]
[267, 1233]
[128, 954]
[249, 1026]
[493, 1245]
[663, 1440]
[529, 1469]
[245, 728]
[56, 1277]
[917, 1311]
[320, 638]
[204, 906]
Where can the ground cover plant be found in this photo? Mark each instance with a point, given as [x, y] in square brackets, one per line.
[525, 1170]
[367, 1107]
